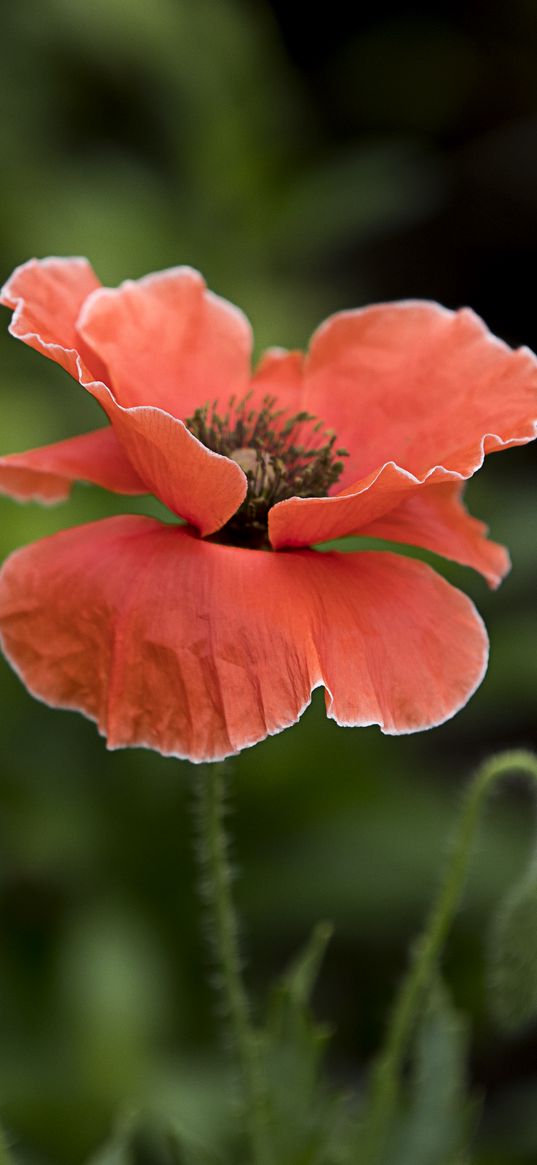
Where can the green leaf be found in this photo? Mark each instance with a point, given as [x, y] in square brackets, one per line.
[292, 993]
[434, 1126]
[116, 1151]
[146, 1142]
[111, 1154]
[513, 957]
[5, 1155]
[294, 1041]
[308, 1122]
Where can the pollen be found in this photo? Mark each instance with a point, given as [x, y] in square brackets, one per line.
[282, 457]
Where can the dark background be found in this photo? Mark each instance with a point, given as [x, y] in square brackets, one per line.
[304, 165]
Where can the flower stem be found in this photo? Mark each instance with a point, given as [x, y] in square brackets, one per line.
[216, 888]
[385, 1082]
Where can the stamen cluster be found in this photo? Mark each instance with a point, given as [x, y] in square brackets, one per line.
[282, 457]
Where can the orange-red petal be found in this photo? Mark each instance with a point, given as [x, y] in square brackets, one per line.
[46, 296]
[46, 474]
[279, 374]
[168, 341]
[421, 386]
[202, 487]
[198, 650]
[437, 519]
[305, 521]
[418, 395]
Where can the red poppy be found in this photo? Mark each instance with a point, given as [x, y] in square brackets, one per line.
[198, 639]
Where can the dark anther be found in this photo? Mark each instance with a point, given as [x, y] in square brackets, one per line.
[282, 457]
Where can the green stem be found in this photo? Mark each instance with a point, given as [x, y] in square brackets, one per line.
[216, 885]
[385, 1083]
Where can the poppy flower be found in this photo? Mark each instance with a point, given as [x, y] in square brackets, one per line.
[202, 636]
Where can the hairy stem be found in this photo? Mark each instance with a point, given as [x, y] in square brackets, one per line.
[385, 1083]
[216, 887]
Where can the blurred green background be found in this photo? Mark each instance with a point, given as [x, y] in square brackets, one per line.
[304, 167]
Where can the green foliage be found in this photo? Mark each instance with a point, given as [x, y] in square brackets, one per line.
[433, 1129]
[139, 1142]
[307, 1121]
[513, 957]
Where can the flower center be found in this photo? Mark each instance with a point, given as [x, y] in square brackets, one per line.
[282, 457]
